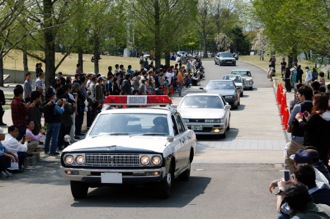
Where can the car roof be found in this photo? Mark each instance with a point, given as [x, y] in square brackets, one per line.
[240, 70]
[202, 94]
[231, 75]
[153, 110]
[220, 80]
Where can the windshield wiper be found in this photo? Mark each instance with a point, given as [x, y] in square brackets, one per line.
[154, 134]
[112, 133]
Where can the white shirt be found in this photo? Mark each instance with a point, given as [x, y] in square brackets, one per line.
[12, 145]
[169, 76]
[309, 76]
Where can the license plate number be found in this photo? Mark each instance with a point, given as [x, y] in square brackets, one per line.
[115, 178]
[197, 127]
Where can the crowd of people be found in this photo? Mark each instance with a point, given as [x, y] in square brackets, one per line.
[307, 154]
[65, 102]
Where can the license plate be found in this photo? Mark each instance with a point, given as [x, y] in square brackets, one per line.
[116, 178]
[197, 127]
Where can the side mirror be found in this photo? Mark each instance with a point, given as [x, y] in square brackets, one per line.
[170, 138]
[67, 138]
[227, 107]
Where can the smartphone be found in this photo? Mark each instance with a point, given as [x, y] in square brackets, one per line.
[286, 175]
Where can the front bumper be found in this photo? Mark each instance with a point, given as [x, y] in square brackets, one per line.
[207, 128]
[129, 176]
[228, 62]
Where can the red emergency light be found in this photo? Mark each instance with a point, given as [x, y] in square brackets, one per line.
[137, 100]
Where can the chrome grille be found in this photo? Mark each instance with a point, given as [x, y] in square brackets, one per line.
[112, 160]
[196, 120]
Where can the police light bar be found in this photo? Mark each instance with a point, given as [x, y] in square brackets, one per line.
[137, 100]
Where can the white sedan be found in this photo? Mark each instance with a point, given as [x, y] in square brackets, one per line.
[205, 113]
[131, 146]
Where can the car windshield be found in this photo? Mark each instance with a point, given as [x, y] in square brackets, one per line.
[234, 78]
[226, 55]
[201, 102]
[128, 124]
[241, 73]
[220, 85]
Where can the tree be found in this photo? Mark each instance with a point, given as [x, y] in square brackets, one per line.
[10, 16]
[240, 43]
[163, 22]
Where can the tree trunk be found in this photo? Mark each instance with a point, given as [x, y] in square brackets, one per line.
[1, 70]
[158, 42]
[167, 58]
[25, 63]
[49, 38]
[96, 54]
[80, 58]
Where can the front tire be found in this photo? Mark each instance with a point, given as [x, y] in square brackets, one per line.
[166, 185]
[78, 189]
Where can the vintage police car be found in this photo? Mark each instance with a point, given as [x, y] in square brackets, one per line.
[132, 145]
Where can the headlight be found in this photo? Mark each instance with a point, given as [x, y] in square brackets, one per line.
[68, 160]
[156, 160]
[212, 120]
[80, 159]
[186, 120]
[145, 160]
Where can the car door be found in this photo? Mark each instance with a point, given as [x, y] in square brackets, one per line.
[184, 139]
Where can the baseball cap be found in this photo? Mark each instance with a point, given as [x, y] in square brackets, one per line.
[302, 156]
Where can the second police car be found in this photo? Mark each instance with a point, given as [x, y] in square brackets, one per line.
[131, 146]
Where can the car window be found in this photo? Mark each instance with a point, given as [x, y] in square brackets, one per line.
[219, 85]
[201, 101]
[138, 123]
[180, 125]
[175, 126]
[226, 55]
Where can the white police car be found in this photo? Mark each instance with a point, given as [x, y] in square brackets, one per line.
[132, 145]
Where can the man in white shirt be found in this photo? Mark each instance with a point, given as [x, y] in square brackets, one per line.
[169, 74]
[17, 148]
[41, 83]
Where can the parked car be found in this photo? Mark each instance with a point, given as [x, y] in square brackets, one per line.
[246, 76]
[206, 114]
[131, 146]
[238, 81]
[224, 58]
[225, 88]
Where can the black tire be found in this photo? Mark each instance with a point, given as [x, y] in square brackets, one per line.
[166, 185]
[78, 189]
[228, 127]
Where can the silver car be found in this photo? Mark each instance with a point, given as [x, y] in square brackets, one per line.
[238, 81]
[224, 58]
[246, 76]
[206, 114]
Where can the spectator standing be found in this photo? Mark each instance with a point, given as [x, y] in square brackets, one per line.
[52, 113]
[41, 83]
[115, 87]
[109, 85]
[272, 64]
[19, 111]
[80, 109]
[180, 81]
[79, 69]
[322, 79]
[27, 87]
[141, 60]
[110, 71]
[315, 75]
[283, 67]
[2, 109]
[300, 72]
[170, 75]
[126, 85]
[129, 69]
[35, 112]
[142, 88]
[317, 126]
[38, 69]
[305, 95]
[287, 77]
[99, 94]
[309, 76]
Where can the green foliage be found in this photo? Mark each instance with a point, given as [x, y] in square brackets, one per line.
[240, 42]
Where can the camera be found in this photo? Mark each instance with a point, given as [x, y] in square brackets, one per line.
[286, 175]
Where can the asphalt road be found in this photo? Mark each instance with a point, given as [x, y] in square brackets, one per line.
[230, 176]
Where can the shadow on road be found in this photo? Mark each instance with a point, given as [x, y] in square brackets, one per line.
[182, 194]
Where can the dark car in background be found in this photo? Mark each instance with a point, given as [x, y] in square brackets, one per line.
[225, 58]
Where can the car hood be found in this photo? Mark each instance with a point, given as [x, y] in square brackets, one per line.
[190, 113]
[130, 143]
[222, 92]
